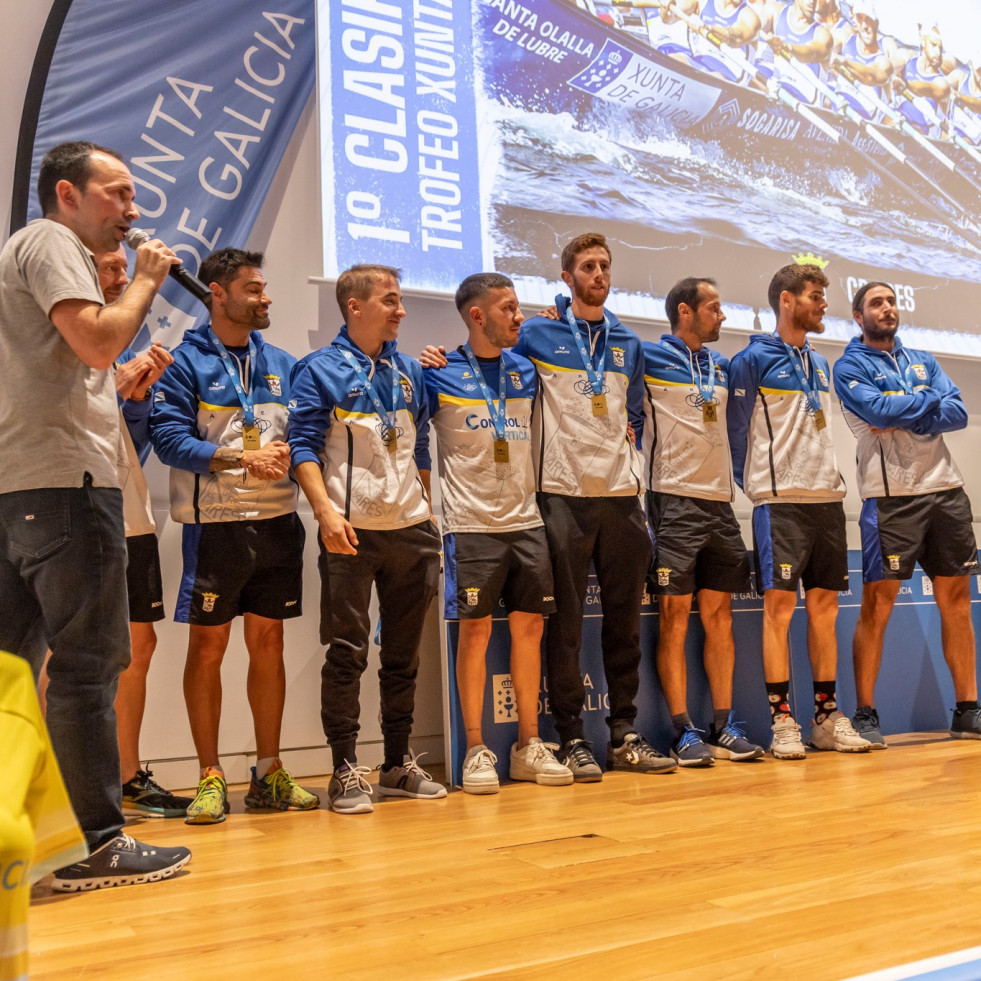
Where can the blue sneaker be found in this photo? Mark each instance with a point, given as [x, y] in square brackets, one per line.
[866, 723]
[689, 750]
[731, 743]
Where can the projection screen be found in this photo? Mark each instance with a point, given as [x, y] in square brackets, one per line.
[701, 136]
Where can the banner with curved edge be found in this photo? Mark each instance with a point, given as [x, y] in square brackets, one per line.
[200, 99]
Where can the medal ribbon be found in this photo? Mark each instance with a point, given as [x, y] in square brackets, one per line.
[593, 372]
[903, 377]
[388, 422]
[498, 411]
[808, 381]
[231, 366]
[708, 389]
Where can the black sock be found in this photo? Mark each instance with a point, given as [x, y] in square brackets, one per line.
[680, 722]
[778, 693]
[720, 717]
[825, 701]
[967, 706]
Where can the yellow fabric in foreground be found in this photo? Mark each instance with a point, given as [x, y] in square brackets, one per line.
[38, 830]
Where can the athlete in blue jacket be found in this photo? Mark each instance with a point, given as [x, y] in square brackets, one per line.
[899, 403]
[219, 422]
[783, 457]
[358, 434]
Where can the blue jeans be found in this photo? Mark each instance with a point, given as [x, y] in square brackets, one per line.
[63, 585]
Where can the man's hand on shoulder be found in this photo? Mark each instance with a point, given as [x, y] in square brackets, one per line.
[433, 357]
[550, 313]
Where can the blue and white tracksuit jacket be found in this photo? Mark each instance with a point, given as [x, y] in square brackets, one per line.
[686, 455]
[333, 423]
[905, 394]
[579, 454]
[778, 452]
[196, 410]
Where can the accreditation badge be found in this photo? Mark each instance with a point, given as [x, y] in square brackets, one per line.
[819, 421]
[250, 437]
[390, 438]
[501, 452]
[709, 412]
[599, 405]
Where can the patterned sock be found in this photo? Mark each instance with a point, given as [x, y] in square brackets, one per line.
[779, 695]
[825, 701]
[680, 721]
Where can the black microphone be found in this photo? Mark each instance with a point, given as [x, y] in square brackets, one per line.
[135, 237]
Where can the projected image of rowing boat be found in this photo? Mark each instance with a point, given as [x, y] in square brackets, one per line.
[683, 143]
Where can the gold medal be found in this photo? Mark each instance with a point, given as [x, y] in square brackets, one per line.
[391, 439]
[250, 436]
[599, 405]
[501, 454]
[819, 419]
[709, 412]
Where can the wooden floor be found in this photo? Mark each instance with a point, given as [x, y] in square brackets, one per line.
[822, 869]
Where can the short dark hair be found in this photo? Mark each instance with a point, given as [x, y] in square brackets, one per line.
[477, 286]
[684, 291]
[859, 298]
[67, 162]
[222, 267]
[358, 281]
[588, 240]
[793, 278]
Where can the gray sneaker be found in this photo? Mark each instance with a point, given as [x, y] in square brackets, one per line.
[409, 780]
[348, 792]
[637, 755]
[866, 724]
[577, 755]
[966, 724]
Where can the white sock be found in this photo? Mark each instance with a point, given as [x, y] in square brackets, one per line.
[265, 765]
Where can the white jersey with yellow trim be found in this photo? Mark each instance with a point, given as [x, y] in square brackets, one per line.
[687, 446]
[479, 492]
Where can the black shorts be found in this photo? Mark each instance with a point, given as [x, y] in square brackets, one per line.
[796, 543]
[935, 530]
[697, 545]
[235, 567]
[144, 583]
[482, 568]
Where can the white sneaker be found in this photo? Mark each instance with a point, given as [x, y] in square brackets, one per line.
[537, 762]
[786, 744]
[837, 732]
[479, 772]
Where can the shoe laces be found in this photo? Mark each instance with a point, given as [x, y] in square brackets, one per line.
[844, 725]
[279, 780]
[411, 763]
[542, 752]
[787, 731]
[735, 729]
[689, 737]
[150, 784]
[212, 786]
[581, 753]
[353, 778]
[642, 747]
[481, 760]
[124, 841]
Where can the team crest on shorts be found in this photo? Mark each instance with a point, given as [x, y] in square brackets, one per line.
[617, 356]
[663, 576]
[473, 592]
[208, 602]
[275, 384]
[893, 562]
[785, 568]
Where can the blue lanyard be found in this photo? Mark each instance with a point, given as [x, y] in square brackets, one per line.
[388, 423]
[708, 389]
[808, 385]
[498, 412]
[593, 372]
[231, 366]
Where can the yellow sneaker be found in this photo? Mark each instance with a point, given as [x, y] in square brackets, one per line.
[210, 804]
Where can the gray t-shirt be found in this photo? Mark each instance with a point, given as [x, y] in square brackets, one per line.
[58, 417]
